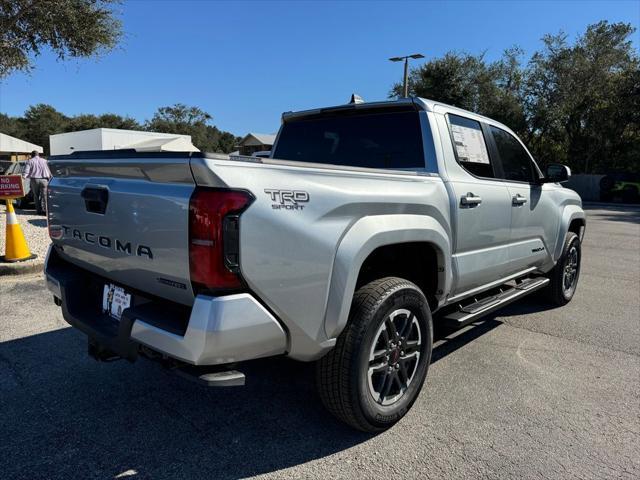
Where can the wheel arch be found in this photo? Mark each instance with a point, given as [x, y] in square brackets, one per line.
[573, 220]
[376, 238]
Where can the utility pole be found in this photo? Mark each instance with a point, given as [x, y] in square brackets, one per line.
[405, 84]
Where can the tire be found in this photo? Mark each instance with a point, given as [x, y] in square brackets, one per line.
[22, 203]
[630, 194]
[562, 289]
[350, 384]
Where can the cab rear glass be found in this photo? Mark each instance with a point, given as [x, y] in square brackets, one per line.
[380, 139]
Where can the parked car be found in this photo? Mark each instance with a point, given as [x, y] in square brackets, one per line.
[262, 154]
[624, 186]
[370, 222]
[17, 168]
[4, 164]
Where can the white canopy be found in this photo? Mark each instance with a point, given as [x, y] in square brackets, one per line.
[9, 144]
[179, 144]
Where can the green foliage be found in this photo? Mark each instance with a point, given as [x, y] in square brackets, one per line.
[192, 121]
[107, 120]
[577, 104]
[40, 121]
[584, 99]
[70, 28]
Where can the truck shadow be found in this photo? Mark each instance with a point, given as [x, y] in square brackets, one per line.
[613, 212]
[67, 416]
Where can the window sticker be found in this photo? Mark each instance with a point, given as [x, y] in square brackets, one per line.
[469, 144]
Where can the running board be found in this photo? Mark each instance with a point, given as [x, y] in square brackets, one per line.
[507, 294]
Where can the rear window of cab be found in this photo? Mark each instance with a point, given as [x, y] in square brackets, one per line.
[384, 139]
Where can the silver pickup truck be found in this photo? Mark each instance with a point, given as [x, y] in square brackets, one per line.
[368, 223]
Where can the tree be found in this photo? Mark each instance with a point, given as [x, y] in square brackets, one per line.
[70, 28]
[40, 121]
[193, 121]
[11, 126]
[107, 120]
[582, 100]
[577, 104]
[468, 82]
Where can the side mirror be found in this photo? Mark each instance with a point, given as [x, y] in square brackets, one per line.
[556, 172]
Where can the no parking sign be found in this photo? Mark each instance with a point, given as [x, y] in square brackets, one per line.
[11, 186]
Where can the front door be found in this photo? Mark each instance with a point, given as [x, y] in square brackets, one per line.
[534, 219]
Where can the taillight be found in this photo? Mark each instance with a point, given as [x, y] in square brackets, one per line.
[55, 231]
[214, 251]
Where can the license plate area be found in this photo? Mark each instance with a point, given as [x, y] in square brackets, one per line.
[115, 300]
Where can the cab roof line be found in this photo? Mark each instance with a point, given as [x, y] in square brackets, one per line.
[417, 105]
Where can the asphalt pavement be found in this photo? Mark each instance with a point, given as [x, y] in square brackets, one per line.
[530, 392]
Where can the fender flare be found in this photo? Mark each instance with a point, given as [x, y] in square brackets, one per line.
[361, 240]
[569, 214]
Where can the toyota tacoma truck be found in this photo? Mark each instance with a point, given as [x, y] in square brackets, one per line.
[368, 223]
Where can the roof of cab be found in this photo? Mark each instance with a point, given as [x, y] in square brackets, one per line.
[417, 102]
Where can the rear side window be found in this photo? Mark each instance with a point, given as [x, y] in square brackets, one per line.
[374, 140]
[470, 146]
[516, 163]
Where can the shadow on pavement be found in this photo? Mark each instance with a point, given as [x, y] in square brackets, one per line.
[38, 222]
[67, 416]
[612, 212]
[64, 415]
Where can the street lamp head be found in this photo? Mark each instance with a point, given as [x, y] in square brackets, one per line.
[405, 83]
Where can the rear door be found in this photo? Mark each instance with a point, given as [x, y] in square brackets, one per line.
[125, 219]
[480, 203]
[534, 217]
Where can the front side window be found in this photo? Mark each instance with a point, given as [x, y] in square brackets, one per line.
[384, 139]
[516, 163]
[470, 146]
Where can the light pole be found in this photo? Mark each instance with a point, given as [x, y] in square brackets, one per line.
[405, 86]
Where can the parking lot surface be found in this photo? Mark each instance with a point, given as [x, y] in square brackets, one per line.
[530, 392]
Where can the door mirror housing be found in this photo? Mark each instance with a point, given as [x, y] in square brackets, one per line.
[556, 173]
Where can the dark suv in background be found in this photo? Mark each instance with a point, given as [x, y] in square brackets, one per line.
[622, 186]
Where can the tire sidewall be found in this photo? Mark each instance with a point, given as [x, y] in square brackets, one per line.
[413, 300]
[572, 241]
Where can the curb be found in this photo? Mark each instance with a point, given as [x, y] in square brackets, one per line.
[21, 269]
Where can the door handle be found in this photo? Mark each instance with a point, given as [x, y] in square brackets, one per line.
[470, 200]
[519, 200]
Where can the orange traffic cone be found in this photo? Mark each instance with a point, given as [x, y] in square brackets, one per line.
[16, 248]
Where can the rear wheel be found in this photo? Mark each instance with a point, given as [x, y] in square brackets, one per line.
[376, 371]
[564, 276]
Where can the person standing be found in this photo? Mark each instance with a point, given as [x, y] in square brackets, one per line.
[38, 173]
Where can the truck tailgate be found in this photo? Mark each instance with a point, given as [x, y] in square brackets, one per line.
[125, 219]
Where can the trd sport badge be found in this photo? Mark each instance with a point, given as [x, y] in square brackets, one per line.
[287, 199]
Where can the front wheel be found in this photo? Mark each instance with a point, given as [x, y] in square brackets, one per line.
[375, 372]
[564, 276]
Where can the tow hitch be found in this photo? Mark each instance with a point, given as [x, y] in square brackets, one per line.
[216, 378]
[101, 353]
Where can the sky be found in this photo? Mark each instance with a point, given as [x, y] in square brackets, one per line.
[247, 62]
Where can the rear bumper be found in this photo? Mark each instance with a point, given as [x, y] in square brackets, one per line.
[216, 330]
